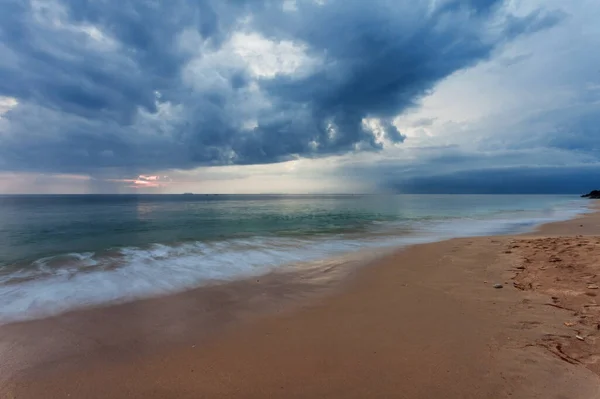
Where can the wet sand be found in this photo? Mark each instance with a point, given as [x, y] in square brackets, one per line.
[424, 322]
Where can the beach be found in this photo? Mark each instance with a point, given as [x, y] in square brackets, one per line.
[421, 322]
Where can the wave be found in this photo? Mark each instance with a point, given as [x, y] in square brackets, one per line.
[55, 284]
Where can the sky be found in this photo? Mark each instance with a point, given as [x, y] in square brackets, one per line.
[299, 96]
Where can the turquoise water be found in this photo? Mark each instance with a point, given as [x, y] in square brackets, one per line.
[61, 252]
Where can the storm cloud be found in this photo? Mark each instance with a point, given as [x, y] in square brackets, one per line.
[134, 86]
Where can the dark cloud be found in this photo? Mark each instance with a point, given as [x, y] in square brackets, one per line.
[140, 85]
[452, 169]
[513, 180]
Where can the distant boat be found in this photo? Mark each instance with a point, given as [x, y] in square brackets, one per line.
[188, 193]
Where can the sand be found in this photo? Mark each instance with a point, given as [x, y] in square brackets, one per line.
[424, 322]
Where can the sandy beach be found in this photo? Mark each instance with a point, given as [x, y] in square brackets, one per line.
[423, 322]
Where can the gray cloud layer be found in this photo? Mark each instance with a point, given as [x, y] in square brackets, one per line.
[137, 85]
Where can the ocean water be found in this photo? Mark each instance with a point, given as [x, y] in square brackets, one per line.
[62, 252]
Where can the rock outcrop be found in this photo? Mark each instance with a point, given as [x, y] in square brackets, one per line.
[595, 194]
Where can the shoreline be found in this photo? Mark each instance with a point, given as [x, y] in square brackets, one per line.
[28, 308]
[393, 329]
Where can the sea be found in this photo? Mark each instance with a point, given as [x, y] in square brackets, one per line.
[63, 252]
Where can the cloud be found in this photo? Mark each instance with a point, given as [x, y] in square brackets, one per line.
[513, 180]
[456, 169]
[18, 183]
[144, 182]
[6, 104]
[130, 87]
[423, 122]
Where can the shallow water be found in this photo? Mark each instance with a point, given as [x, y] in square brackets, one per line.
[64, 252]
